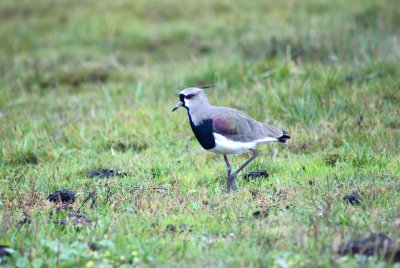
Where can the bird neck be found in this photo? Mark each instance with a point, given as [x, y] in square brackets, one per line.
[197, 113]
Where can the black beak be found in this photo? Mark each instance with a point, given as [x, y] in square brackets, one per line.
[178, 105]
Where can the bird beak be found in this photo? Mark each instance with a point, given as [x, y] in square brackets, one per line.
[179, 104]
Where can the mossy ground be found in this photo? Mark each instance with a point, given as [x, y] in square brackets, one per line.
[90, 85]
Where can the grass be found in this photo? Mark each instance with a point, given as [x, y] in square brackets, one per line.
[91, 85]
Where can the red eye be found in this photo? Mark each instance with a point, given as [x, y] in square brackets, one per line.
[188, 97]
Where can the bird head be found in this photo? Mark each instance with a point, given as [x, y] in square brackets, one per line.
[191, 98]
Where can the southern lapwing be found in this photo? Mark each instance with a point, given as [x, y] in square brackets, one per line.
[225, 130]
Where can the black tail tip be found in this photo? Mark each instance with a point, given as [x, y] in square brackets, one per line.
[284, 137]
[283, 140]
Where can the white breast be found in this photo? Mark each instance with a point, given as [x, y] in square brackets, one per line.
[226, 146]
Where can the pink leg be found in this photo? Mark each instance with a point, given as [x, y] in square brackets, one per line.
[234, 175]
[255, 154]
[228, 170]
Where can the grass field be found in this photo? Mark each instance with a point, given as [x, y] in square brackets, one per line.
[90, 85]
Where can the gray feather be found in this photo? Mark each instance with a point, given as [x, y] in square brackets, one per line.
[238, 125]
[231, 123]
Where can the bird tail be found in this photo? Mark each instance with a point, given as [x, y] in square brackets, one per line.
[285, 136]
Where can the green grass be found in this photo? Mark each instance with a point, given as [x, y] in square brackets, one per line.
[88, 85]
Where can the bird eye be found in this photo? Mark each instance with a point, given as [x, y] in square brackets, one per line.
[188, 97]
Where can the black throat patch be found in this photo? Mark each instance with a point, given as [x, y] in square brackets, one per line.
[204, 133]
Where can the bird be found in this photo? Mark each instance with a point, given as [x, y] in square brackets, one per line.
[226, 131]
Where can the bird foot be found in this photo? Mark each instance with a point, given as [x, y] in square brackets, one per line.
[232, 182]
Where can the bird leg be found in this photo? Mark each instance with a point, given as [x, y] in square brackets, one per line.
[234, 175]
[228, 170]
[231, 182]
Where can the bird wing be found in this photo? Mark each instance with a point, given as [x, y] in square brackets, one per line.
[238, 126]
